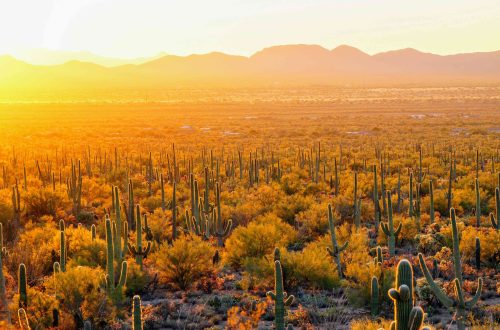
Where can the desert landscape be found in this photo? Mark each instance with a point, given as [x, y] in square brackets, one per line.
[249, 165]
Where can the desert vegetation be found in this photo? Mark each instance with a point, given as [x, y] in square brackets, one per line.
[322, 209]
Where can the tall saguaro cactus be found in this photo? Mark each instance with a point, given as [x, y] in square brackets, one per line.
[138, 251]
[407, 316]
[113, 289]
[22, 286]
[136, 313]
[431, 196]
[375, 293]
[478, 203]
[459, 303]
[335, 250]
[496, 222]
[280, 297]
[388, 228]
[220, 228]
[3, 292]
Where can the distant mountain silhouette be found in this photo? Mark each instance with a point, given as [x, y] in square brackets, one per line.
[289, 65]
[42, 56]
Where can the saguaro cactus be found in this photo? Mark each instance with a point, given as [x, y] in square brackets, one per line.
[388, 228]
[478, 203]
[220, 228]
[431, 196]
[478, 254]
[407, 317]
[138, 251]
[459, 302]
[23, 319]
[22, 286]
[281, 300]
[137, 314]
[335, 250]
[118, 219]
[62, 251]
[113, 290]
[496, 222]
[375, 292]
[3, 293]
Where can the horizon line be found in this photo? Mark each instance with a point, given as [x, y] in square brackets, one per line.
[161, 54]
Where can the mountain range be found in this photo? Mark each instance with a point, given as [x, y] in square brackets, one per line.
[277, 66]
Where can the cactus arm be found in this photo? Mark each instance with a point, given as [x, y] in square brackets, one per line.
[271, 294]
[445, 300]
[416, 318]
[385, 229]
[289, 300]
[398, 230]
[344, 246]
[459, 292]
[457, 264]
[477, 295]
[123, 275]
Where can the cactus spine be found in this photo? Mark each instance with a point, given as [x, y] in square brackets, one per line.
[137, 315]
[459, 303]
[113, 290]
[388, 228]
[281, 300]
[335, 250]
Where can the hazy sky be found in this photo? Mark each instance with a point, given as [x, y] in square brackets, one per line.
[132, 28]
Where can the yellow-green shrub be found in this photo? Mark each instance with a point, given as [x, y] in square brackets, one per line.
[79, 290]
[258, 239]
[188, 260]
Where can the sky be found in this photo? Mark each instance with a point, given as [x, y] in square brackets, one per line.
[139, 28]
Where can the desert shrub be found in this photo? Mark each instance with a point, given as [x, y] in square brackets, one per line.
[313, 222]
[290, 206]
[290, 183]
[408, 232]
[367, 324]
[311, 267]
[81, 250]
[151, 203]
[258, 239]
[240, 319]
[136, 279]
[490, 244]
[258, 272]
[44, 201]
[188, 260]
[160, 223]
[79, 289]
[6, 212]
[356, 260]
[39, 310]
[35, 249]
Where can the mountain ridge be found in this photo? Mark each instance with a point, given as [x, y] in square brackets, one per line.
[281, 65]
